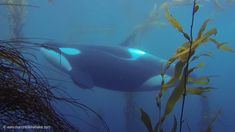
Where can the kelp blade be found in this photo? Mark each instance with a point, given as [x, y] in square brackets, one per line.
[175, 23]
[199, 90]
[178, 70]
[175, 96]
[184, 53]
[222, 46]
[200, 80]
[146, 120]
[203, 27]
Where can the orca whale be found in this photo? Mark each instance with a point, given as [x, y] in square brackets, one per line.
[110, 67]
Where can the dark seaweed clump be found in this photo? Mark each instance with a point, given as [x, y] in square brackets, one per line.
[26, 98]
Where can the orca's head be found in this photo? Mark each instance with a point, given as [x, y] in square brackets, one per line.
[57, 56]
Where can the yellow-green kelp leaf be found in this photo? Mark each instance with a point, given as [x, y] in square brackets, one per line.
[183, 54]
[222, 46]
[201, 80]
[207, 35]
[178, 70]
[204, 38]
[158, 127]
[207, 53]
[175, 23]
[173, 99]
[175, 96]
[181, 49]
[199, 90]
[158, 98]
[202, 64]
[203, 27]
[158, 101]
[146, 120]
[196, 57]
[186, 36]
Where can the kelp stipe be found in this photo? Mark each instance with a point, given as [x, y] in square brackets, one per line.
[17, 10]
[183, 57]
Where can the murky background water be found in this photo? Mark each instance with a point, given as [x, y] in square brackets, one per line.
[110, 22]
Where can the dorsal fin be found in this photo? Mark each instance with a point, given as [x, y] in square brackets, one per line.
[129, 41]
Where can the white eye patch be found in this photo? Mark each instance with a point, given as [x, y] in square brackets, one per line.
[70, 51]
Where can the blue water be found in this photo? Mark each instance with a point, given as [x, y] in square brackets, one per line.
[109, 22]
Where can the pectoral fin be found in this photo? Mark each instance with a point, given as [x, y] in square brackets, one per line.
[82, 79]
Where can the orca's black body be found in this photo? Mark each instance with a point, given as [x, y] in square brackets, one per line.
[110, 67]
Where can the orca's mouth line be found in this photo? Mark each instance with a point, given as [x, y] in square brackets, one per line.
[49, 47]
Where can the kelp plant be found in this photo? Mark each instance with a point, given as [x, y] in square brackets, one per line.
[184, 55]
[17, 10]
